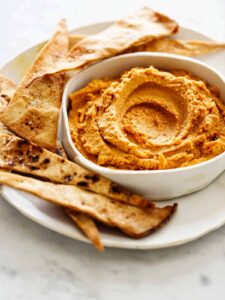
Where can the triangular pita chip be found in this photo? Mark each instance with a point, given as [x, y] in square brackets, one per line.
[139, 28]
[87, 226]
[167, 45]
[134, 221]
[33, 111]
[180, 47]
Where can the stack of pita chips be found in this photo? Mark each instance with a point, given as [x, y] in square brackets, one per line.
[29, 124]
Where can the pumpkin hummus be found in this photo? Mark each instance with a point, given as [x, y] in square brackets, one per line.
[148, 119]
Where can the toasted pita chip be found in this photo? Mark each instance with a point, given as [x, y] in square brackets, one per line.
[134, 221]
[139, 28]
[21, 156]
[167, 45]
[181, 47]
[87, 226]
[33, 111]
[35, 118]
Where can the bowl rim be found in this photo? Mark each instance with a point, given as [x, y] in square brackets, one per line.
[81, 159]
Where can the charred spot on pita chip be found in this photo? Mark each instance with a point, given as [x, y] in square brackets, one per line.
[35, 158]
[68, 178]
[93, 178]
[82, 183]
[115, 188]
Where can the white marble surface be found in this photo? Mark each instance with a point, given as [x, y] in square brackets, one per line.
[36, 263]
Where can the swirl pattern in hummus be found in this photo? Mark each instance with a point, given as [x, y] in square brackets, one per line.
[147, 120]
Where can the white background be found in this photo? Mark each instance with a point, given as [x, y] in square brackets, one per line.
[36, 263]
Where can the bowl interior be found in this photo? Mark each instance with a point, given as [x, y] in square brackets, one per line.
[114, 67]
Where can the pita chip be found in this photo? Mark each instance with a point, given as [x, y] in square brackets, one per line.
[87, 226]
[133, 221]
[167, 45]
[33, 111]
[139, 28]
[21, 156]
[180, 47]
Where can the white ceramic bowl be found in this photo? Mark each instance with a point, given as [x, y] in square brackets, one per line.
[153, 184]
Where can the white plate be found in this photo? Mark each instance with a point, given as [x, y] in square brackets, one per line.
[197, 214]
